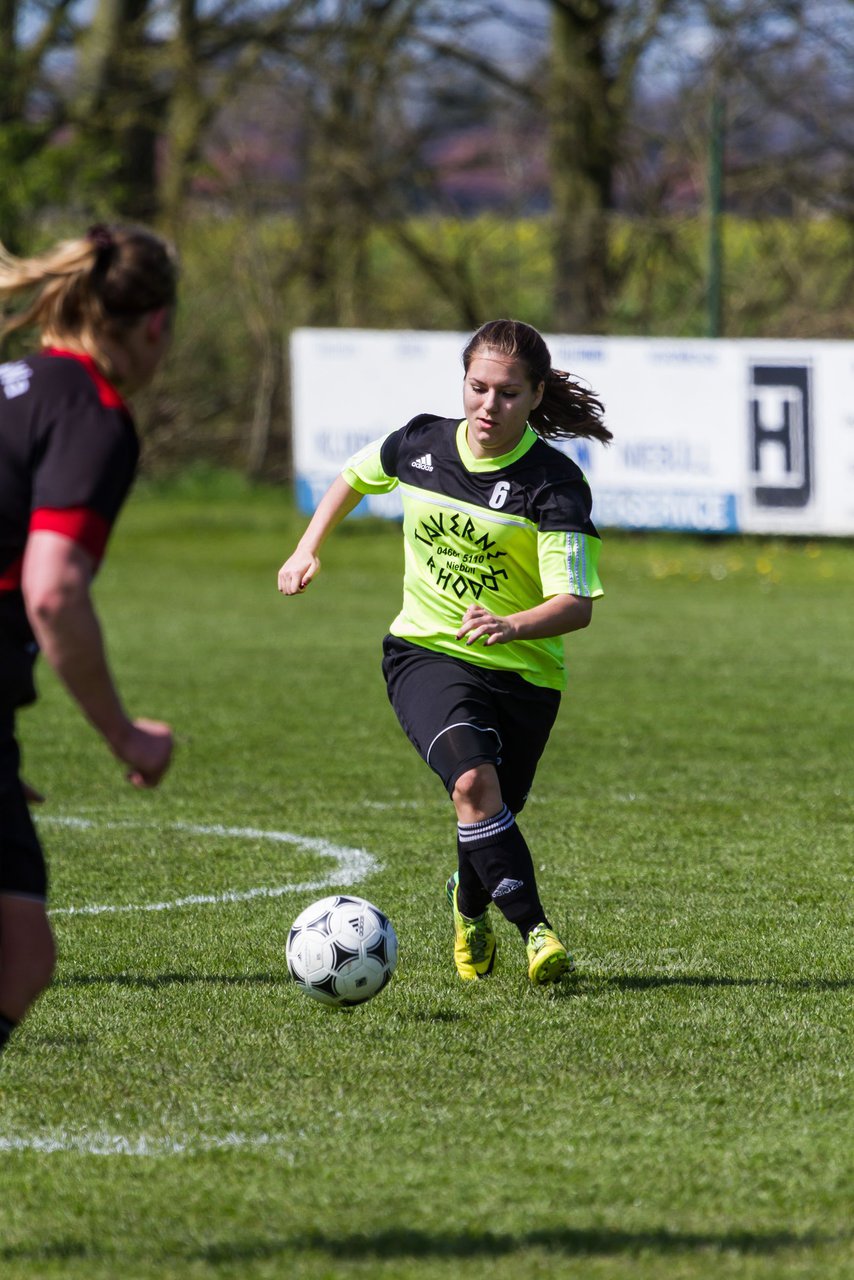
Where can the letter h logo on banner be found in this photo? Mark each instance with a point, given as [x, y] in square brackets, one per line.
[780, 435]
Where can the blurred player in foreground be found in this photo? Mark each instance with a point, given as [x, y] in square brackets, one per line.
[500, 562]
[102, 306]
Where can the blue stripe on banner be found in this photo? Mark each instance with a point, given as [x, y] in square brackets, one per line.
[667, 509]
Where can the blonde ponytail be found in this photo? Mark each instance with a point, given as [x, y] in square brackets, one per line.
[90, 287]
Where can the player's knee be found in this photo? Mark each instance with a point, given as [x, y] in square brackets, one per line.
[477, 790]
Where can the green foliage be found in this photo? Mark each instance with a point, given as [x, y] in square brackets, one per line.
[243, 292]
[680, 1111]
[39, 173]
[509, 261]
[783, 279]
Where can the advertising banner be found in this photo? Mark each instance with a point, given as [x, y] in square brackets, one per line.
[710, 436]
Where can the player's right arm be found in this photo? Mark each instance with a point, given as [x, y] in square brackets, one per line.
[55, 582]
[303, 563]
[363, 473]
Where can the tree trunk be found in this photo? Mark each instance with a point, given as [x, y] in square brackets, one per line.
[9, 95]
[262, 409]
[187, 109]
[583, 132]
[116, 105]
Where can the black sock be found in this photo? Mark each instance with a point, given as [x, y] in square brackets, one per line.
[7, 1026]
[496, 864]
[472, 897]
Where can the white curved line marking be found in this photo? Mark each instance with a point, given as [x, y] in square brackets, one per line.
[116, 1144]
[351, 866]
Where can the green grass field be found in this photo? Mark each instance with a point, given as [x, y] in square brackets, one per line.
[175, 1107]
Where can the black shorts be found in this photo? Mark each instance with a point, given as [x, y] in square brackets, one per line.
[22, 865]
[458, 715]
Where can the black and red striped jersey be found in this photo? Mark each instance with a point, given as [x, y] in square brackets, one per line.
[68, 456]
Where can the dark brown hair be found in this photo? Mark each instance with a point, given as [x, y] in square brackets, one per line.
[98, 284]
[567, 410]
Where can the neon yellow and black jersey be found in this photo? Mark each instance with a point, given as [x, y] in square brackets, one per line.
[506, 532]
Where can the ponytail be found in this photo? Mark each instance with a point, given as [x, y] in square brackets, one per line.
[93, 286]
[568, 411]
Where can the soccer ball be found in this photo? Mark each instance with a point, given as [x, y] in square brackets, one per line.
[341, 950]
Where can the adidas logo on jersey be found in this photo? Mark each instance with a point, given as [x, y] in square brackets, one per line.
[424, 463]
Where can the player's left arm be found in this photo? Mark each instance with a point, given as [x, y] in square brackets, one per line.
[556, 616]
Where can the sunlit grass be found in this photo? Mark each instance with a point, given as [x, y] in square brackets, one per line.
[175, 1107]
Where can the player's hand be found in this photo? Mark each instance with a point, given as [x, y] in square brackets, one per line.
[297, 572]
[147, 749]
[30, 794]
[479, 624]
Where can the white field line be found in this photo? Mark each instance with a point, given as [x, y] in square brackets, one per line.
[115, 1144]
[350, 866]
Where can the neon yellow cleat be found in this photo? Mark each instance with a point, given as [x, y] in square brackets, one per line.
[474, 941]
[548, 958]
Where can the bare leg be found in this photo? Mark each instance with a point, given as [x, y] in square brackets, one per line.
[27, 953]
[477, 794]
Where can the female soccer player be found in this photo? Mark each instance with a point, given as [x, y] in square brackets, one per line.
[102, 305]
[500, 563]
